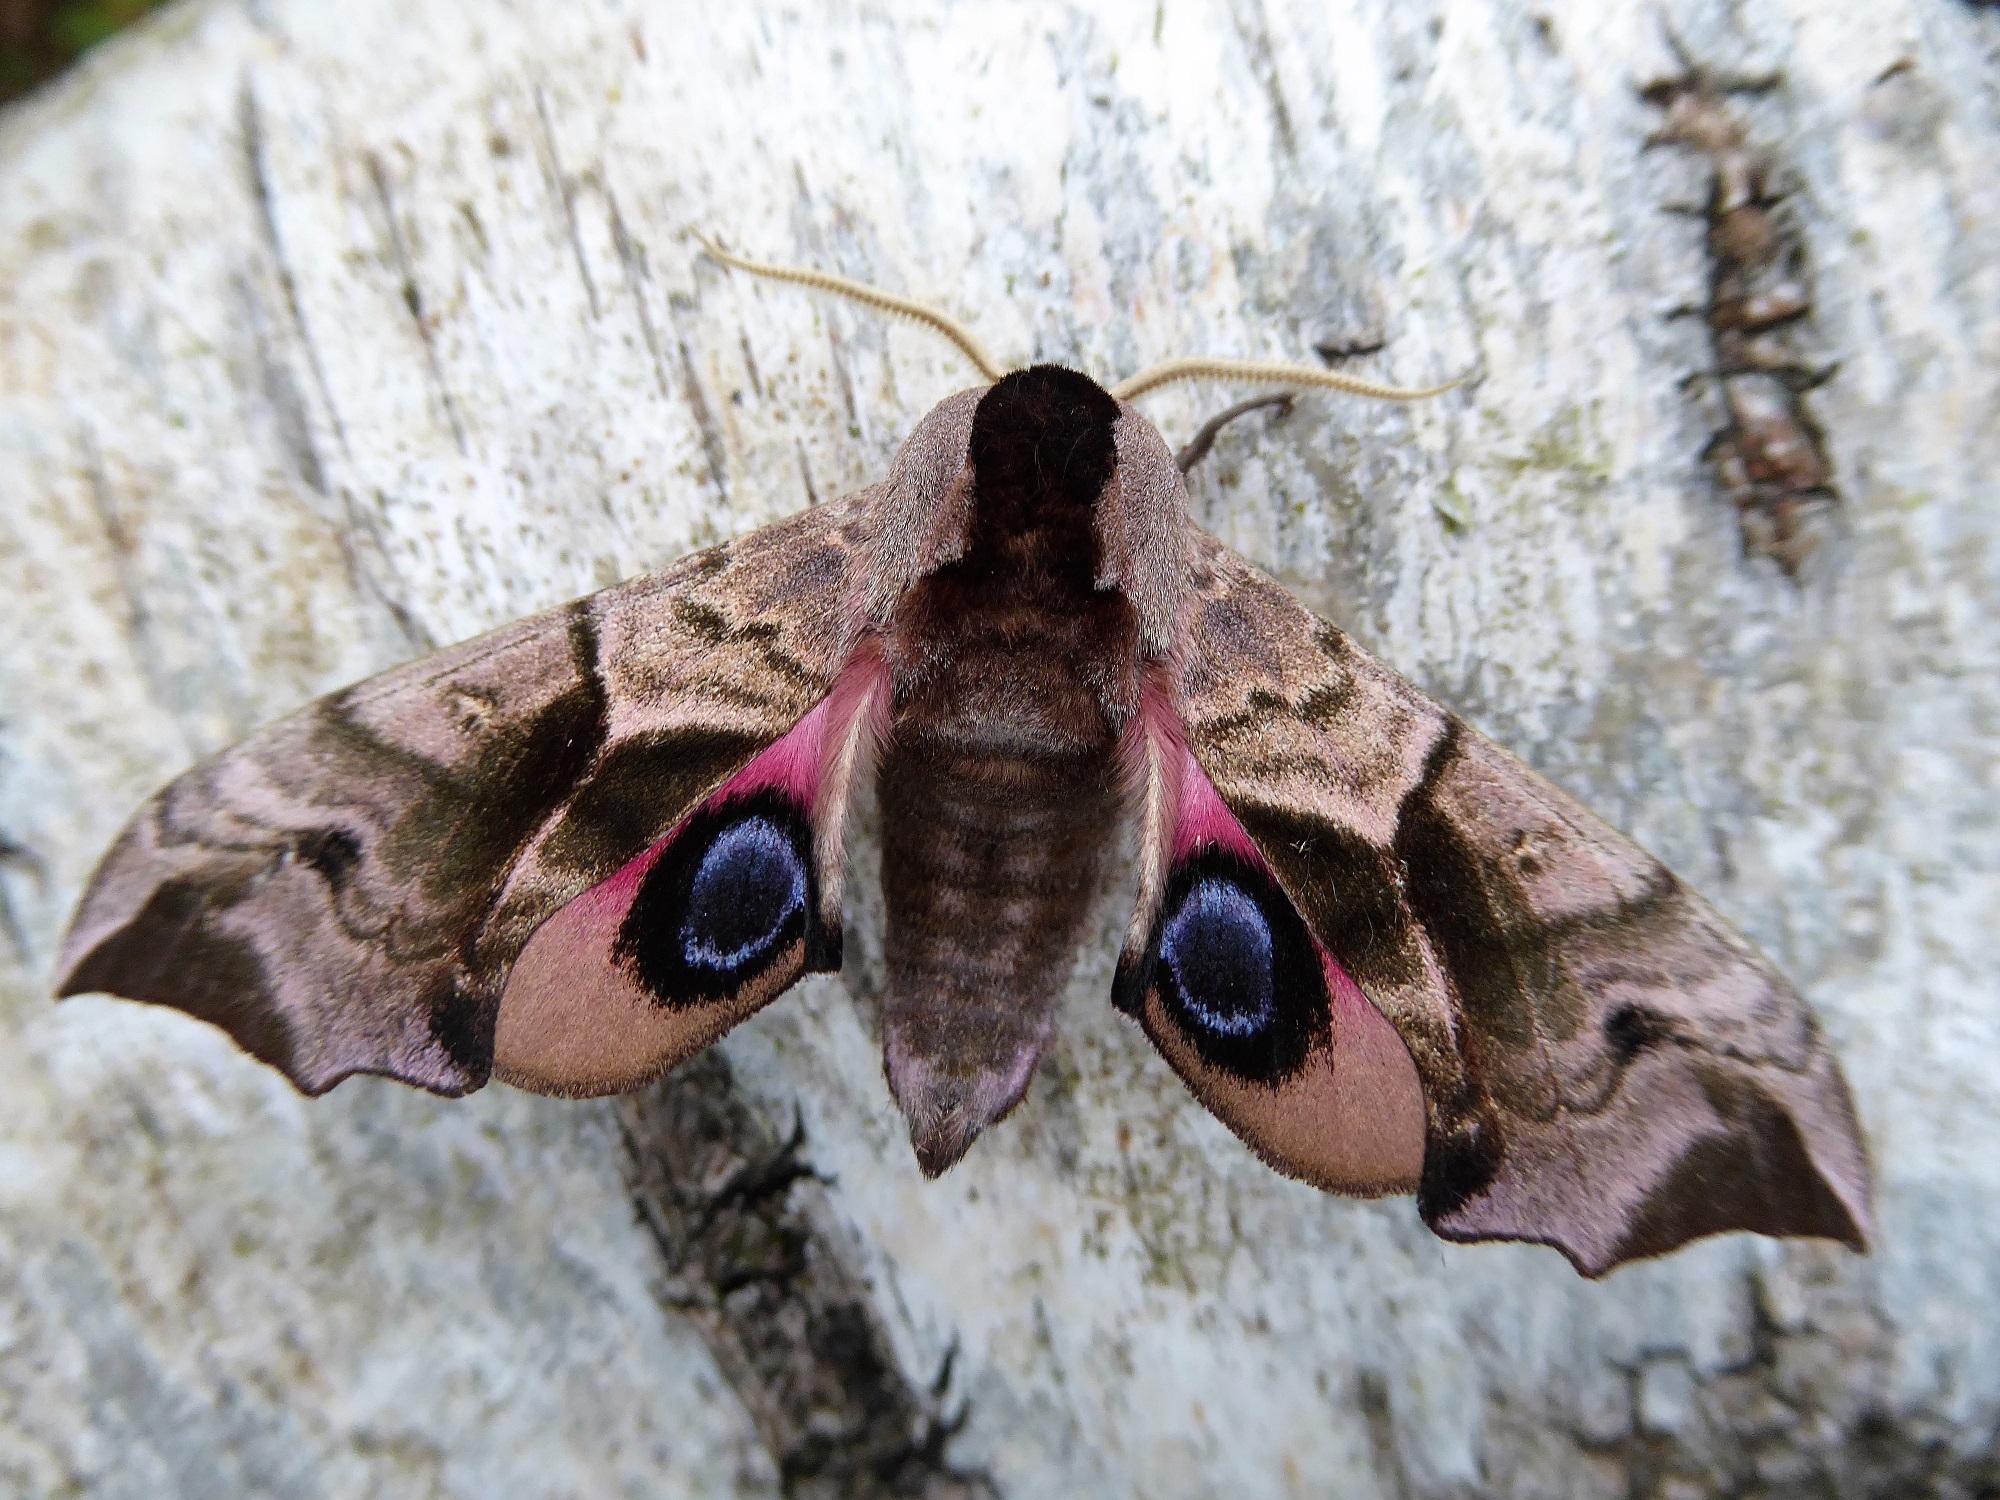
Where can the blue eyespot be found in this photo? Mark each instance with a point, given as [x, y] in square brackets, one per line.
[1217, 952]
[746, 894]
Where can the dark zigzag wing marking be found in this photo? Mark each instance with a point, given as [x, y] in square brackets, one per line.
[327, 890]
[1626, 1072]
[326, 967]
[1640, 1053]
[1320, 793]
[750, 652]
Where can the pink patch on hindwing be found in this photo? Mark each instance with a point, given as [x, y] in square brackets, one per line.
[791, 764]
[575, 1017]
[1204, 821]
[1351, 1115]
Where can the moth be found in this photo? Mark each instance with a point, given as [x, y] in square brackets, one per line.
[573, 853]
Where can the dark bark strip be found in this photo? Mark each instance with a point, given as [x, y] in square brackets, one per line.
[287, 407]
[1769, 455]
[250, 121]
[791, 1325]
[713, 448]
[15, 856]
[1807, 1413]
[632, 255]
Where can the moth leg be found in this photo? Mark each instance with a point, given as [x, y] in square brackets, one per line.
[1199, 445]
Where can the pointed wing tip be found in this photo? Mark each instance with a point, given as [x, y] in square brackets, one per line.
[1594, 1262]
[1858, 1231]
[106, 967]
[1848, 1182]
[82, 968]
[82, 939]
[1818, 1199]
[66, 985]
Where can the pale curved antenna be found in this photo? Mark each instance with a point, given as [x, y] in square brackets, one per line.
[861, 292]
[1272, 372]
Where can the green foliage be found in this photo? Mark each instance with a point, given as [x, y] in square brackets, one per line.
[39, 38]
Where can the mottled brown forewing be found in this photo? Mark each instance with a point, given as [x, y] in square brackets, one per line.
[346, 890]
[1609, 1068]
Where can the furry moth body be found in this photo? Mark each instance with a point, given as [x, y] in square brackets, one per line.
[1390, 957]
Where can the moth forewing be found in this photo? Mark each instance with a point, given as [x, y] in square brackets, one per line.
[349, 889]
[1383, 952]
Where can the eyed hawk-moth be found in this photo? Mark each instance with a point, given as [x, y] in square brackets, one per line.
[574, 852]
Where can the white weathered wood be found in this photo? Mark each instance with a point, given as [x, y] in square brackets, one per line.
[331, 332]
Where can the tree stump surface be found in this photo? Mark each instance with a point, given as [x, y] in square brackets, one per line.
[330, 334]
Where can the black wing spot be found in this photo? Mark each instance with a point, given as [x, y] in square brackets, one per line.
[730, 897]
[1630, 1030]
[334, 852]
[1459, 1166]
[1237, 973]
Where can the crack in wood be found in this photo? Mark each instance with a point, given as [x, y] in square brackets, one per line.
[18, 856]
[565, 193]
[1253, 26]
[281, 393]
[250, 121]
[738, 1215]
[413, 297]
[712, 446]
[632, 256]
[818, 253]
[124, 553]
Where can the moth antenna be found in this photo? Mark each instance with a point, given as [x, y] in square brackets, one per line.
[826, 281]
[1272, 372]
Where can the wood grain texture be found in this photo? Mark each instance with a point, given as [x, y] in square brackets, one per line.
[233, 484]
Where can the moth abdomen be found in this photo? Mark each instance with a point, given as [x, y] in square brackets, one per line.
[988, 883]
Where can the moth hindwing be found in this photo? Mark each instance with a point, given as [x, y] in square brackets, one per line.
[1385, 953]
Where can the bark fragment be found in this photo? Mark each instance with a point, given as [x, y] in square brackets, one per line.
[739, 1217]
[1769, 456]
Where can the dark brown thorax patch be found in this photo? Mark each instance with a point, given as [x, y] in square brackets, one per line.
[1041, 451]
[1012, 644]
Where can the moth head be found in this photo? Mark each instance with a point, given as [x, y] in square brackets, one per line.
[1048, 420]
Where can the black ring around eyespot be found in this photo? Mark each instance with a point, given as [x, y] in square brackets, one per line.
[729, 897]
[1236, 970]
